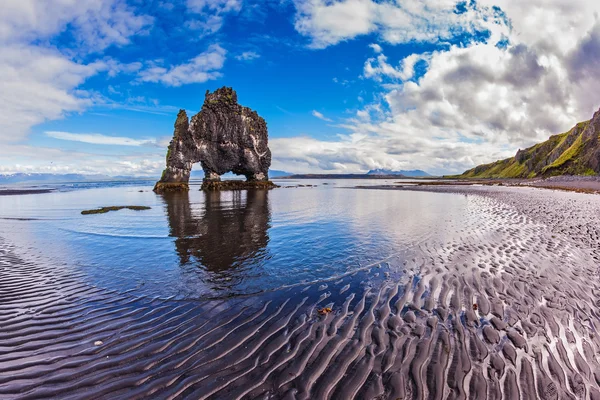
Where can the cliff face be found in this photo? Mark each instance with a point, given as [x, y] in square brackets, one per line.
[576, 152]
[223, 137]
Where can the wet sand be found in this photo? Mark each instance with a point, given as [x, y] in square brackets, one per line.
[580, 184]
[505, 309]
[585, 184]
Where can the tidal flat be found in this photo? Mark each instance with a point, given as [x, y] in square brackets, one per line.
[331, 291]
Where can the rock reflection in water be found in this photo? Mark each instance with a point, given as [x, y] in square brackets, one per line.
[224, 237]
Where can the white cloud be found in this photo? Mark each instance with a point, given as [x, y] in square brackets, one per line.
[95, 24]
[17, 158]
[220, 6]
[490, 94]
[360, 152]
[321, 116]
[38, 85]
[378, 68]
[343, 82]
[376, 48]
[209, 14]
[41, 83]
[248, 56]
[329, 22]
[474, 103]
[201, 68]
[96, 138]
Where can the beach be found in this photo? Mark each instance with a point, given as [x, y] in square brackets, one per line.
[500, 302]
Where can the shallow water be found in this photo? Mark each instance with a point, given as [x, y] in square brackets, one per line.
[472, 292]
[198, 244]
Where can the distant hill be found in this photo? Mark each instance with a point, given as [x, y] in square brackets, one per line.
[273, 173]
[411, 173]
[576, 152]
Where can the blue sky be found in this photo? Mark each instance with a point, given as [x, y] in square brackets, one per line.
[345, 85]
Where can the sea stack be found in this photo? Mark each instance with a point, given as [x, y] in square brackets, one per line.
[224, 137]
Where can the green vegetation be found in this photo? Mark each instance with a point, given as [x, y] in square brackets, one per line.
[104, 210]
[563, 154]
[508, 168]
[567, 157]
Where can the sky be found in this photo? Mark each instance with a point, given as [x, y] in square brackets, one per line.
[94, 86]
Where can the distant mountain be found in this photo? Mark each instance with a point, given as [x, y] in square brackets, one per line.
[576, 152]
[411, 173]
[50, 178]
[273, 173]
[65, 178]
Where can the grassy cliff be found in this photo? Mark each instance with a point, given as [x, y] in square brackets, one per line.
[576, 152]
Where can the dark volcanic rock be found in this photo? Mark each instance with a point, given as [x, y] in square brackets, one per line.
[223, 137]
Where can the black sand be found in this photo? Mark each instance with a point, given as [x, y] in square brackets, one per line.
[507, 310]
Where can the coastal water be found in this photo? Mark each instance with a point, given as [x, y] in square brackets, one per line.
[303, 292]
[197, 245]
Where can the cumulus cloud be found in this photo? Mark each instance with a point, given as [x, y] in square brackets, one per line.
[95, 24]
[488, 93]
[201, 68]
[321, 116]
[97, 138]
[41, 83]
[17, 158]
[38, 85]
[395, 21]
[378, 68]
[384, 143]
[534, 75]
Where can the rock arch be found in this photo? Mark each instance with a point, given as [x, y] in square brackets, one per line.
[223, 137]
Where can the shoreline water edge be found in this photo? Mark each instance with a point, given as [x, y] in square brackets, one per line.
[506, 307]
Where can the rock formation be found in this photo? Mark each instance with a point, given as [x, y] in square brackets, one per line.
[576, 152]
[223, 137]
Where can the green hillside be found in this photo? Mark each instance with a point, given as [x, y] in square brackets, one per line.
[576, 152]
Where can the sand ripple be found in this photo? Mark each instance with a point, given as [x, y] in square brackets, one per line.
[507, 308]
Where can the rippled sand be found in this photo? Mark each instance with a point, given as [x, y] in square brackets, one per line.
[505, 307]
